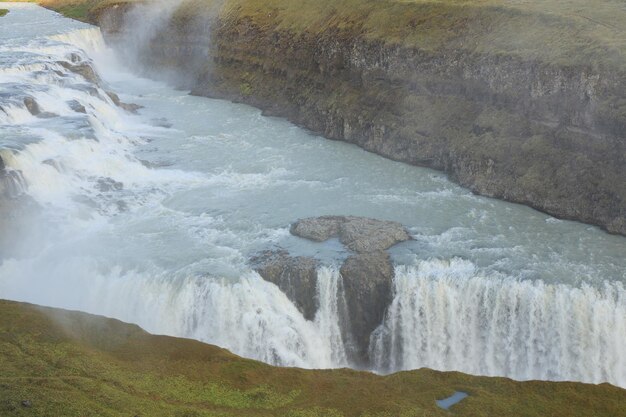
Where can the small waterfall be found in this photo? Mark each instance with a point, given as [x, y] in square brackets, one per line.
[446, 316]
[88, 39]
[327, 318]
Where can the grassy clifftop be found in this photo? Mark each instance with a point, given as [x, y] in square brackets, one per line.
[73, 364]
[565, 32]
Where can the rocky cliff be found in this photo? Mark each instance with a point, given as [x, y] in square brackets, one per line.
[542, 124]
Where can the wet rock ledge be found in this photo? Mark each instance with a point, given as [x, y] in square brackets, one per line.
[367, 274]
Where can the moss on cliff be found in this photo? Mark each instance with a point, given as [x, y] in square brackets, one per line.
[519, 100]
[73, 364]
[567, 32]
[573, 31]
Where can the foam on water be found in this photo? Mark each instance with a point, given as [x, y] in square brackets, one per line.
[154, 225]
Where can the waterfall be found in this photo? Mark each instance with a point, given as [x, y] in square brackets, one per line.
[156, 246]
[248, 316]
[88, 39]
[327, 318]
[446, 316]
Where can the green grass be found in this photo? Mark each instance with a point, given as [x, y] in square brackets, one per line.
[73, 364]
[3, 12]
[563, 32]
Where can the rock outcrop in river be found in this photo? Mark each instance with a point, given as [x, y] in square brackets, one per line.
[520, 118]
[367, 275]
[358, 234]
[296, 276]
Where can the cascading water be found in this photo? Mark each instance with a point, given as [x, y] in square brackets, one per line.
[151, 218]
[447, 316]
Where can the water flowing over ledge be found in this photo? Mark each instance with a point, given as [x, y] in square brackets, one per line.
[150, 218]
[445, 316]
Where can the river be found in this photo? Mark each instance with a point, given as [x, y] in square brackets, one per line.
[152, 217]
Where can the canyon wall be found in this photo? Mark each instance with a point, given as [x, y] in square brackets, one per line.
[546, 133]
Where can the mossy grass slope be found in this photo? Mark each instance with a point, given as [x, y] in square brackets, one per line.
[564, 32]
[74, 364]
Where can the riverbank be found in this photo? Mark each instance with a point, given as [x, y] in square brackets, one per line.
[55, 362]
[518, 101]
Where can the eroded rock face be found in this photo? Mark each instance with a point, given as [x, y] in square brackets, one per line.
[32, 106]
[531, 131]
[365, 290]
[76, 106]
[359, 234]
[83, 69]
[296, 276]
[318, 229]
[129, 107]
[367, 283]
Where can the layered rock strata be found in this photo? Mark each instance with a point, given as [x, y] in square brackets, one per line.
[540, 132]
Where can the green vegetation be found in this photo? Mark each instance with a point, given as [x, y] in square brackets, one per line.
[3, 12]
[84, 10]
[562, 32]
[73, 364]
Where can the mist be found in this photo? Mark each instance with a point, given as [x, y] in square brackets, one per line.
[150, 213]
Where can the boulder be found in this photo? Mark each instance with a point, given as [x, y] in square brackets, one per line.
[367, 283]
[318, 229]
[76, 106]
[83, 69]
[359, 234]
[32, 106]
[129, 107]
[296, 276]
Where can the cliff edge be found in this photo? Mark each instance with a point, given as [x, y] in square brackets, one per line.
[61, 363]
[519, 100]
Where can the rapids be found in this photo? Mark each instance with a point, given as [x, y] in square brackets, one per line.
[151, 217]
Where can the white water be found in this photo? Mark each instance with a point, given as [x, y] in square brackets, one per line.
[447, 316]
[486, 287]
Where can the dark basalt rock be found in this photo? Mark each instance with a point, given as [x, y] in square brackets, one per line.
[129, 107]
[76, 106]
[295, 276]
[54, 164]
[83, 69]
[525, 129]
[359, 234]
[367, 283]
[114, 97]
[32, 106]
[367, 276]
[318, 229]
